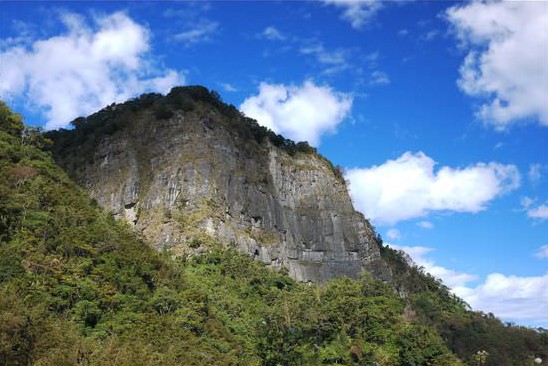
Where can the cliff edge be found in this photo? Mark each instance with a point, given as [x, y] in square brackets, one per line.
[186, 169]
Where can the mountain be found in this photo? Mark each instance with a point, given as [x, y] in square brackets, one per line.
[78, 287]
[186, 167]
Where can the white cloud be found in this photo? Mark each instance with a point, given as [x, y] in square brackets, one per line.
[542, 252]
[324, 56]
[229, 87]
[272, 34]
[357, 12]
[523, 299]
[425, 224]
[516, 87]
[430, 35]
[393, 234]
[84, 69]
[334, 61]
[301, 113]
[449, 277]
[539, 212]
[379, 78]
[198, 32]
[510, 297]
[409, 187]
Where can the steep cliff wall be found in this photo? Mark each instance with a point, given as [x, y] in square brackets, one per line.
[195, 173]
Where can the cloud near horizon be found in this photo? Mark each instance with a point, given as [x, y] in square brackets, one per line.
[523, 299]
[84, 69]
[409, 187]
[506, 62]
[301, 113]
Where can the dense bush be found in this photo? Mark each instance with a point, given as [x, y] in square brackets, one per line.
[464, 331]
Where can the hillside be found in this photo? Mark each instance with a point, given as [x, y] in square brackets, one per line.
[78, 287]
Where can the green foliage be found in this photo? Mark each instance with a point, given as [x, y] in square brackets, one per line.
[464, 331]
[79, 288]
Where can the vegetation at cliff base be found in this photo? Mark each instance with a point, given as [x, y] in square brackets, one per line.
[80, 288]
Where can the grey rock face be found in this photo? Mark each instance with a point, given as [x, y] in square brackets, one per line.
[190, 178]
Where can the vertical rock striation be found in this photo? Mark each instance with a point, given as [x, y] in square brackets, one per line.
[195, 175]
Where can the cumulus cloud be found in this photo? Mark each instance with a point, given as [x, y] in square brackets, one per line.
[301, 113]
[542, 252]
[410, 187]
[523, 299]
[506, 62]
[84, 69]
[357, 12]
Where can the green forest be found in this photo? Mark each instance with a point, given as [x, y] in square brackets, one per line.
[78, 287]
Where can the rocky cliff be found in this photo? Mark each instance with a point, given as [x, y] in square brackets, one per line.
[187, 169]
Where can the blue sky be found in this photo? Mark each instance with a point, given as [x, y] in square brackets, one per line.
[437, 110]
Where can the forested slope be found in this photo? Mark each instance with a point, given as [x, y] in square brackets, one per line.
[80, 288]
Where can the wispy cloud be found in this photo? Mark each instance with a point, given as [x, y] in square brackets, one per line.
[542, 252]
[430, 35]
[337, 58]
[538, 212]
[379, 78]
[425, 225]
[535, 173]
[272, 34]
[199, 32]
[229, 87]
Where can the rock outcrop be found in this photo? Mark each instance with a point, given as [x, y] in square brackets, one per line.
[184, 176]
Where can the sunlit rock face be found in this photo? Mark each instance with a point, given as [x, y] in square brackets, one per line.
[197, 176]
